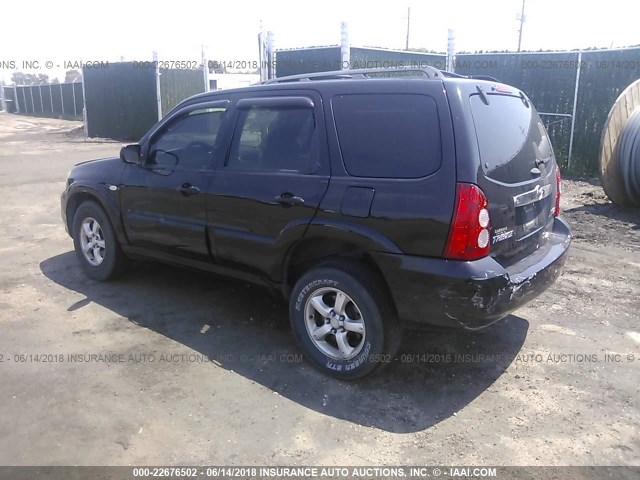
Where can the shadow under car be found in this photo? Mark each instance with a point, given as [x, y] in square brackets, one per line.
[434, 375]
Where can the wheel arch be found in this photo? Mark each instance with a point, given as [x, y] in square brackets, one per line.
[82, 193]
[311, 252]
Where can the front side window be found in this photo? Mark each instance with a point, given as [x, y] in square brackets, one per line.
[187, 143]
[277, 139]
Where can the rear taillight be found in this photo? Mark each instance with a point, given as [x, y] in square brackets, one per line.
[469, 237]
[556, 208]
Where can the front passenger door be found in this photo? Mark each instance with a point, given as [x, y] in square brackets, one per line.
[163, 198]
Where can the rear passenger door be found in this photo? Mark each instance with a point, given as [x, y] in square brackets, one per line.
[275, 174]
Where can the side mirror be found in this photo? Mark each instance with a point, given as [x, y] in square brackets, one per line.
[130, 153]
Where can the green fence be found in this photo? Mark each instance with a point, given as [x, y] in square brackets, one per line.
[60, 100]
[379, 58]
[551, 89]
[324, 59]
[176, 85]
[122, 101]
[550, 79]
[294, 62]
[603, 77]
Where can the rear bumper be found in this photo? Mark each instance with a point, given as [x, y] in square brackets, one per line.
[471, 295]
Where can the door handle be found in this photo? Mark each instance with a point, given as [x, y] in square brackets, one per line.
[289, 200]
[187, 189]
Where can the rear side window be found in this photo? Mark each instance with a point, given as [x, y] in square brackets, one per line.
[388, 135]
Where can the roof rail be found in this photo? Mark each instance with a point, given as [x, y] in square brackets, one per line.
[483, 77]
[429, 72]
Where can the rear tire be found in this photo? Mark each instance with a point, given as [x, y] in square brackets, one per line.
[343, 320]
[96, 245]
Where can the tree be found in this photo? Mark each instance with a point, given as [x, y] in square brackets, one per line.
[72, 76]
[20, 78]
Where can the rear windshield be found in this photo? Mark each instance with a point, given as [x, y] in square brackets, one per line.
[388, 135]
[508, 130]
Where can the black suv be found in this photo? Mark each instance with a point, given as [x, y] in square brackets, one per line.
[372, 201]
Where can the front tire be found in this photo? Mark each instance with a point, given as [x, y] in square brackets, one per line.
[343, 320]
[96, 245]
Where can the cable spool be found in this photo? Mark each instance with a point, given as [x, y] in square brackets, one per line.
[628, 156]
[620, 149]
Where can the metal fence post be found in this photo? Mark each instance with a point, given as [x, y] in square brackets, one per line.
[3, 101]
[61, 100]
[15, 97]
[73, 92]
[205, 71]
[41, 102]
[271, 73]
[33, 105]
[450, 67]
[575, 105]
[158, 96]
[345, 47]
[262, 55]
[24, 97]
[51, 98]
[85, 116]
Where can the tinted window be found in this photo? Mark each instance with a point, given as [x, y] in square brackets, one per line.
[388, 135]
[188, 141]
[510, 135]
[275, 139]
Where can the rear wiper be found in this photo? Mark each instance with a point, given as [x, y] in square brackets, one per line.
[542, 161]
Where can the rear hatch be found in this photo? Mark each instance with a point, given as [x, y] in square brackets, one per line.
[518, 172]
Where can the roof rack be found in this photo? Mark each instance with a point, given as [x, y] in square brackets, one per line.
[360, 73]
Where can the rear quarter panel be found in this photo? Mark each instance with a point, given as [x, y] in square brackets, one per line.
[410, 215]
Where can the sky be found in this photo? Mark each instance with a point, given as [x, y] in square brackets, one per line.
[62, 31]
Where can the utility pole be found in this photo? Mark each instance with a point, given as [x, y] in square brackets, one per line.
[522, 19]
[408, 26]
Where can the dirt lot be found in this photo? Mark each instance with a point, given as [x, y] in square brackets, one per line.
[554, 384]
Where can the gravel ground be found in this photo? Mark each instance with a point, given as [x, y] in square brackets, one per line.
[556, 383]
